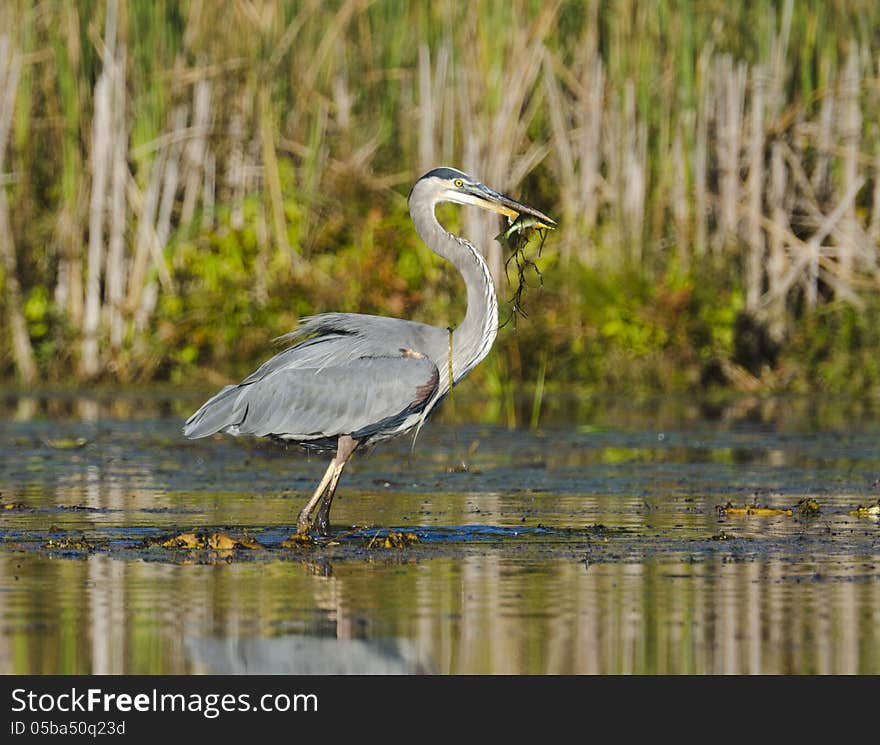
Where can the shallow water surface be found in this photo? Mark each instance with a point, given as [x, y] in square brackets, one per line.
[592, 545]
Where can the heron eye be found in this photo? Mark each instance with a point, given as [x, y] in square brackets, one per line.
[459, 183]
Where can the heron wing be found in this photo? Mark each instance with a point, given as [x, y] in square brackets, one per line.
[317, 394]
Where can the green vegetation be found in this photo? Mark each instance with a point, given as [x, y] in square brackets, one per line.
[180, 183]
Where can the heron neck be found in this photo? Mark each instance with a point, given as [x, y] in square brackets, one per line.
[473, 338]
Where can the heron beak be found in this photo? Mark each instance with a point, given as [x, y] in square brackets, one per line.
[488, 199]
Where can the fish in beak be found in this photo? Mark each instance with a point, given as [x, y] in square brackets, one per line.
[482, 196]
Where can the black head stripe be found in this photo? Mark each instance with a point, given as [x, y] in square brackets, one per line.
[446, 173]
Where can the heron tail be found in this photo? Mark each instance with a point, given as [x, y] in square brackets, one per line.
[215, 415]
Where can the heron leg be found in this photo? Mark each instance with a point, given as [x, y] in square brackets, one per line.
[302, 523]
[344, 449]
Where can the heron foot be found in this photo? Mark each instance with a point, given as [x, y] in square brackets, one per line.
[322, 518]
[302, 525]
[322, 525]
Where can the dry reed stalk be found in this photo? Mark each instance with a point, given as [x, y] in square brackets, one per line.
[317, 159]
[444, 84]
[777, 68]
[624, 154]
[776, 244]
[333, 30]
[10, 74]
[754, 194]
[170, 181]
[149, 298]
[291, 32]
[701, 153]
[68, 229]
[730, 82]
[235, 136]
[145, 206]
[102, 147]
[69, 282]
[874, 224]
[680, 202]
[588, 119]
[566, 164]
[635, 169]
[261, 265]
[22, 351]
[343, 102]
[612, 157]
[820, 178]
[209, 190]
[850, 136]
[157, 234]
[116, 265]
[659, 178]
[441, 83]
[427, 114]
[272, 180]
[194, 152]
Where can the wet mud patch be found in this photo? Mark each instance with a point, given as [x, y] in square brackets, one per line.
[237, 544]
[739, 534]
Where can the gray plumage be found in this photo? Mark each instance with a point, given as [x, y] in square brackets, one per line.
[341, 376]
[346, 379]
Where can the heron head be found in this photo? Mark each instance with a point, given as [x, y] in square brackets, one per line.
[451, 185]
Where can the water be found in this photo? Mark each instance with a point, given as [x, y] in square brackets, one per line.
[591, 545]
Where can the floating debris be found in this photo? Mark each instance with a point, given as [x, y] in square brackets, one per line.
[66, 443]
[299, 540]
[808, 507]
[731, 510]
[872, 511]
[392, 539]
[211, 541]
[20, 506]
[69, 543]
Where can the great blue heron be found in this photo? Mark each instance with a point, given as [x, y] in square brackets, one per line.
[348, 379]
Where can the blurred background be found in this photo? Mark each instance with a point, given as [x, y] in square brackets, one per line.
[180, 182]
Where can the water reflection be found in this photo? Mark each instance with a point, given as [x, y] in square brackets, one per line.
[507, 578]
[482, 614]
[304, 655]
